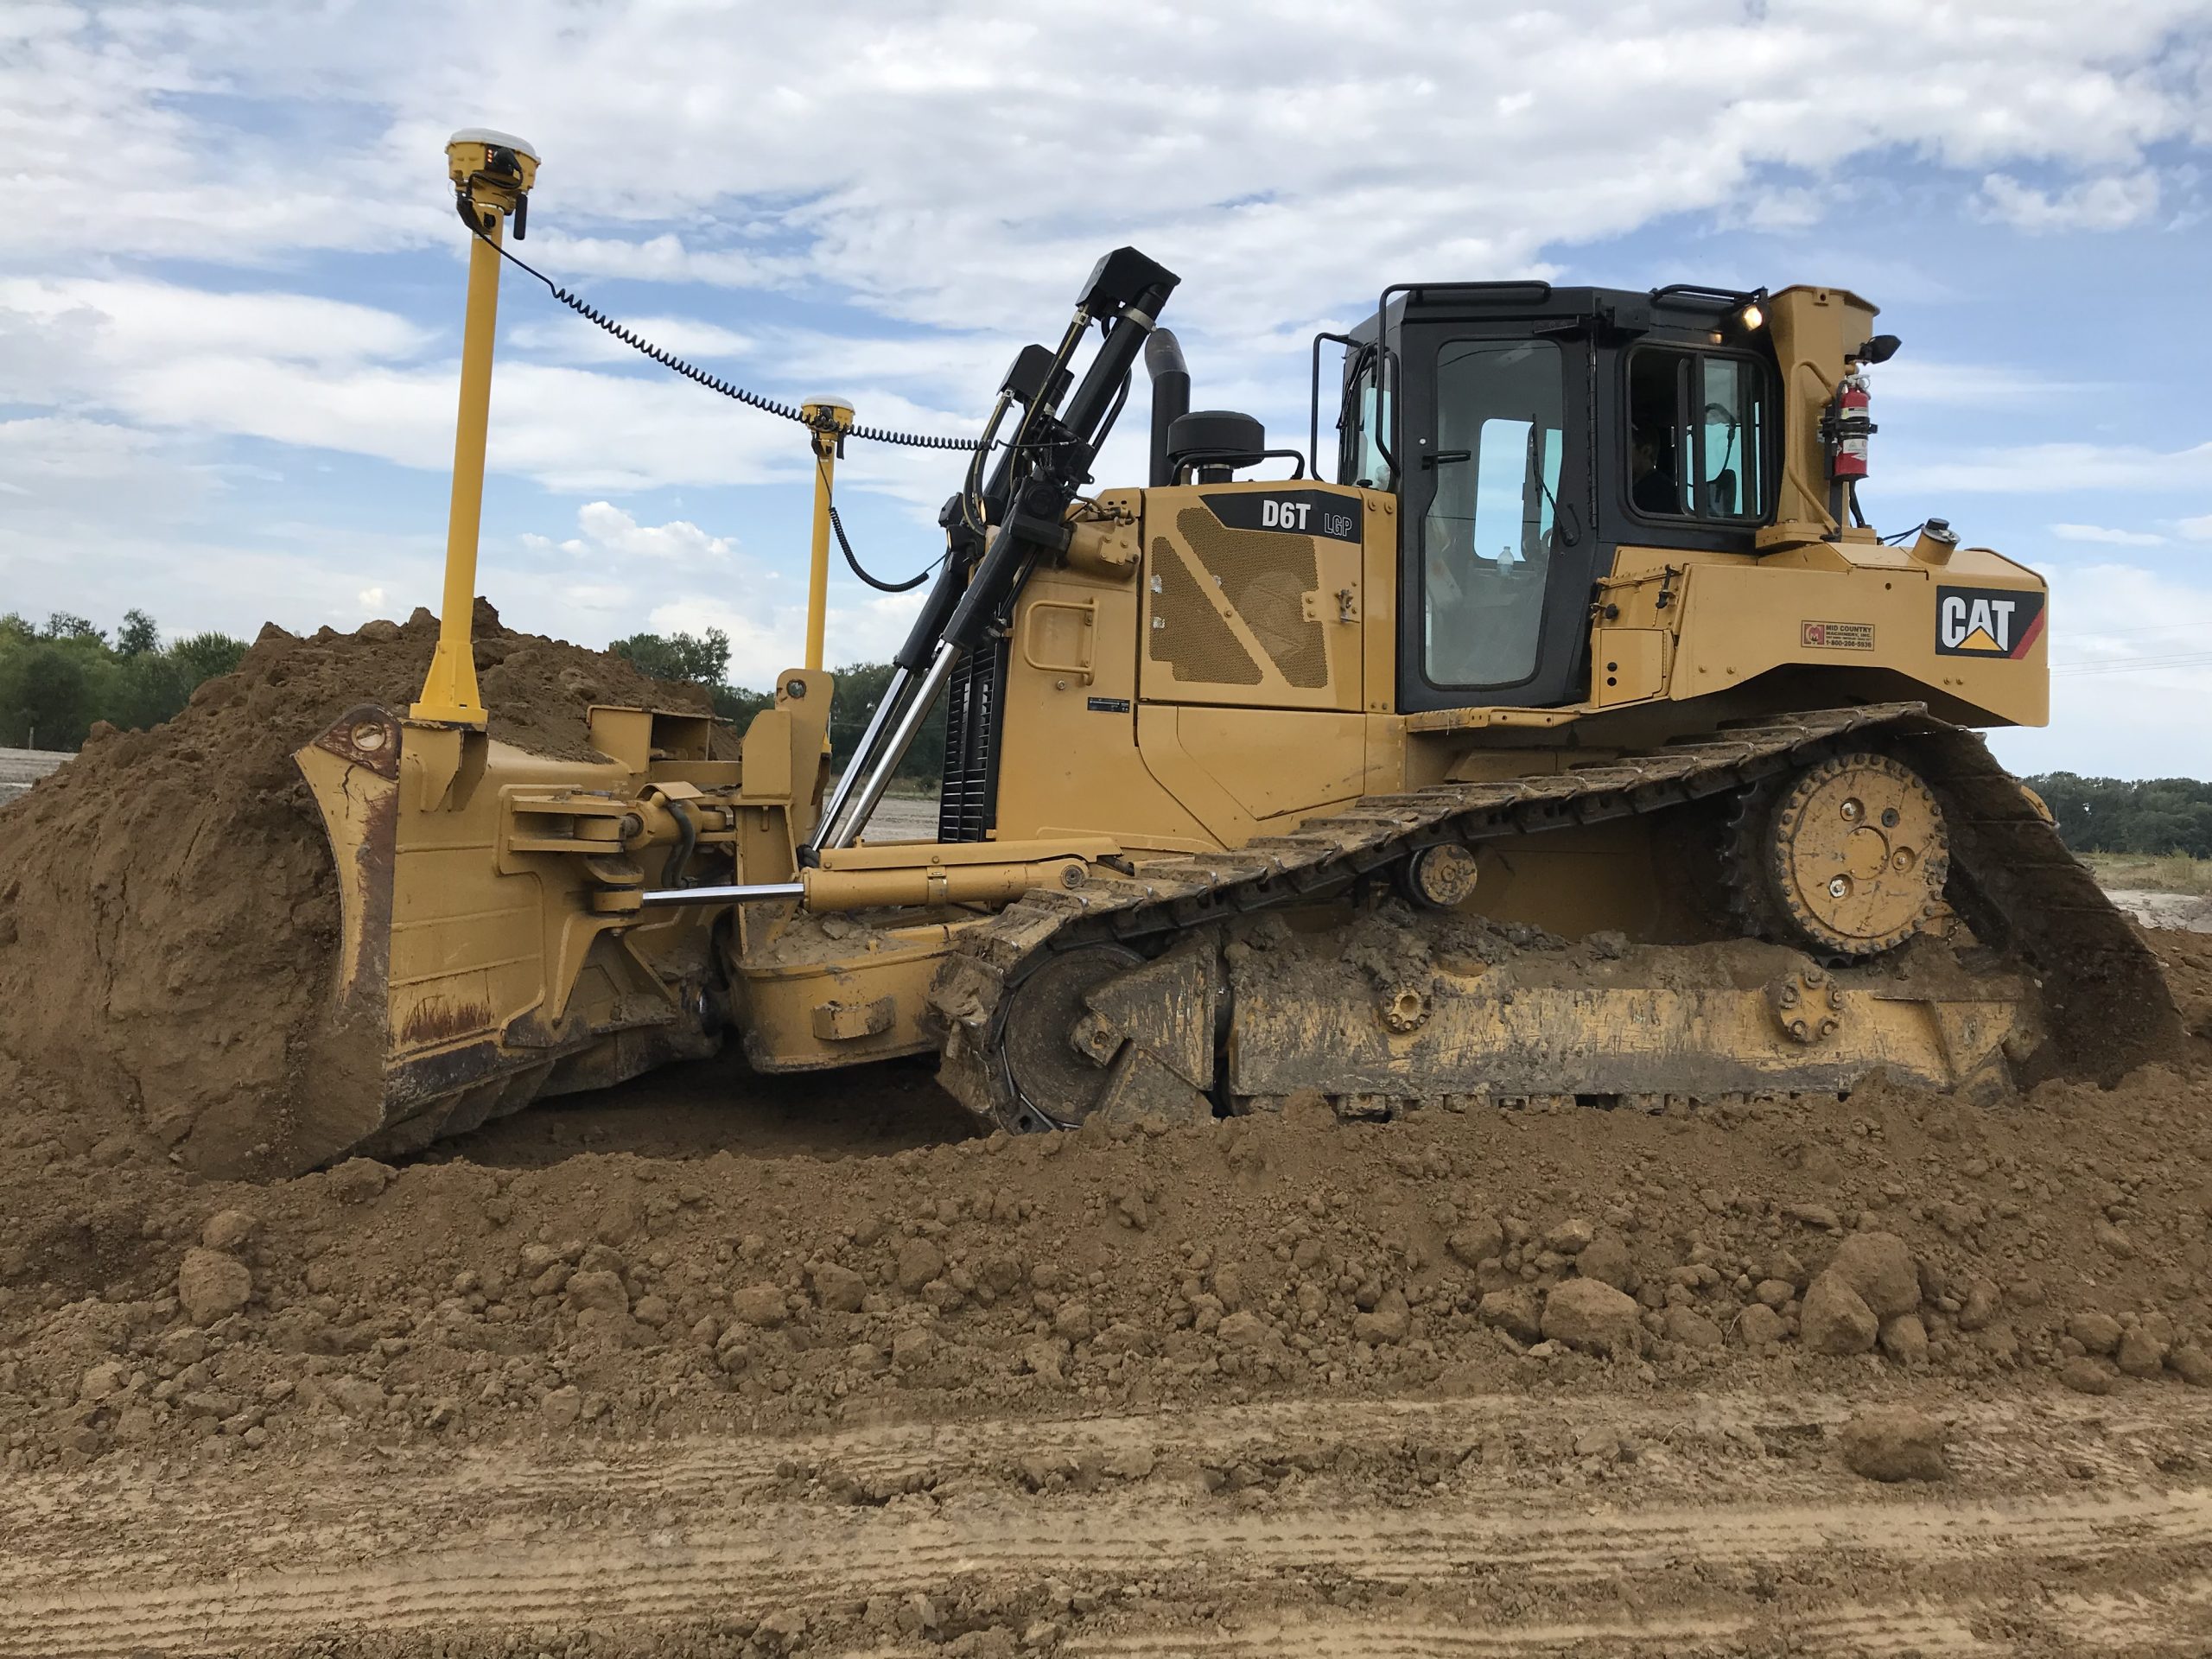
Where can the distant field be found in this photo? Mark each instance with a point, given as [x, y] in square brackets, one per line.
[2147, 873]
[21, 768]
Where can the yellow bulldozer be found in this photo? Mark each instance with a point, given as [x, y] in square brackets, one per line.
[1564, 735]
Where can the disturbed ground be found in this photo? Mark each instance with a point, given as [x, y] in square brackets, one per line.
[720, 1364]
[717, 1364]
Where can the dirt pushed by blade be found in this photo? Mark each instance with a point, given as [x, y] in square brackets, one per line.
[169, 912]
[1831, 1244]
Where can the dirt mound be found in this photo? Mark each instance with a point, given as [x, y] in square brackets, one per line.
[167, 915]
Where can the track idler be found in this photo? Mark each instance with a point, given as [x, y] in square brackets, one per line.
[1101, 1031]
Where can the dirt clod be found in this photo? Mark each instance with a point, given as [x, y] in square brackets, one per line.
[2087, 1375]
[1895, 1443]
[210, 1285]
[1589, 1314]
[1879, 1268]
[1836, 1319]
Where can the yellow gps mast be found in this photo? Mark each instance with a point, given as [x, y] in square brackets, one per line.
[828, 422]
[492, 174]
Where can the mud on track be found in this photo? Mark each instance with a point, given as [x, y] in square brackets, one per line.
[1579, 1523]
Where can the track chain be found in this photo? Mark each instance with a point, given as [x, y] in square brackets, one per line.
[2011, 877]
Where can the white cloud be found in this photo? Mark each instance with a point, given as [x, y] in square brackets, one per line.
[766, 637]
[2130, 676]
[1300, 117]
[2106, 204]
[1964, 386]
[606, 529]
[2111, 538]
[565, 338]
[2196, 529]
[2053, 468]
[296, 369]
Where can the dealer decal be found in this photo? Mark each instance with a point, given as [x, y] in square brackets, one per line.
[1836, 636]
[1987, 621]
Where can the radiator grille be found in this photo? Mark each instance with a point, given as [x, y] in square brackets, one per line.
[1187, 634]
[968, 798]
[1266, 575]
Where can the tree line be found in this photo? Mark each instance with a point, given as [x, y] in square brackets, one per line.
[703, 660]
[2129, 814]
[56, 680]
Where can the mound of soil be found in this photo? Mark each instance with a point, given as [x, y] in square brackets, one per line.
[168, 917]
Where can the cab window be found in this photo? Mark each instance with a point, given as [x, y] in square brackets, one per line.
[1488, 536]
[1698, 434]
[1364, 425]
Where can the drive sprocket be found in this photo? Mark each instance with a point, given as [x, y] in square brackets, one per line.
[1847, 858]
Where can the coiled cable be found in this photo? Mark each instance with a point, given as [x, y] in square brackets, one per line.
[669, 360]
[853, 559]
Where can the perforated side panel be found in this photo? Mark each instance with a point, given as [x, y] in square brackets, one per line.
[1187, 632]
[1266, 575]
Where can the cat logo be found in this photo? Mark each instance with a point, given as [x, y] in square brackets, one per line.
[1987, 621]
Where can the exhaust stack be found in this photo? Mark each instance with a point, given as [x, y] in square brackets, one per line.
[1170, 397]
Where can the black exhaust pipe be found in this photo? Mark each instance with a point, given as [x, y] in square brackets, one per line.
[1171, 396]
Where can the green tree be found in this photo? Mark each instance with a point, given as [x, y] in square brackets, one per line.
[56, 681]
[137, 635]
[704, 660]
[48, 698]
[737, 705]
[204, 656]
[699, 659]
[860, 686]
[695, 659]
[2129, 814]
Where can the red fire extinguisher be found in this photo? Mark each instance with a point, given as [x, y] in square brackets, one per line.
[1850, 426]
[1846, 429]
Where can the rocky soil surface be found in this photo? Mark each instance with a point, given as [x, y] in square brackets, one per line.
[721, 1366]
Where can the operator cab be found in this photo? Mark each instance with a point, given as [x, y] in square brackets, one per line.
[1530, 431]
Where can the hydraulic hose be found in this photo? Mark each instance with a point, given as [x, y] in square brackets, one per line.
[687, 842]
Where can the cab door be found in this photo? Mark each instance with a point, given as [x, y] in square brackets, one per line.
[1497, 551]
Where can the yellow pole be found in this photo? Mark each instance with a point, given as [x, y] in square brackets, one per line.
[830, 420]
[493, 172]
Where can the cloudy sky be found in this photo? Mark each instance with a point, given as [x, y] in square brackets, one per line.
[230, 276]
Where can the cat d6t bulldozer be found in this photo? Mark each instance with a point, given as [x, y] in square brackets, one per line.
[1559, 732]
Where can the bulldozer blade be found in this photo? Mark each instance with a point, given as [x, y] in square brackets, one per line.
[470, 977]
